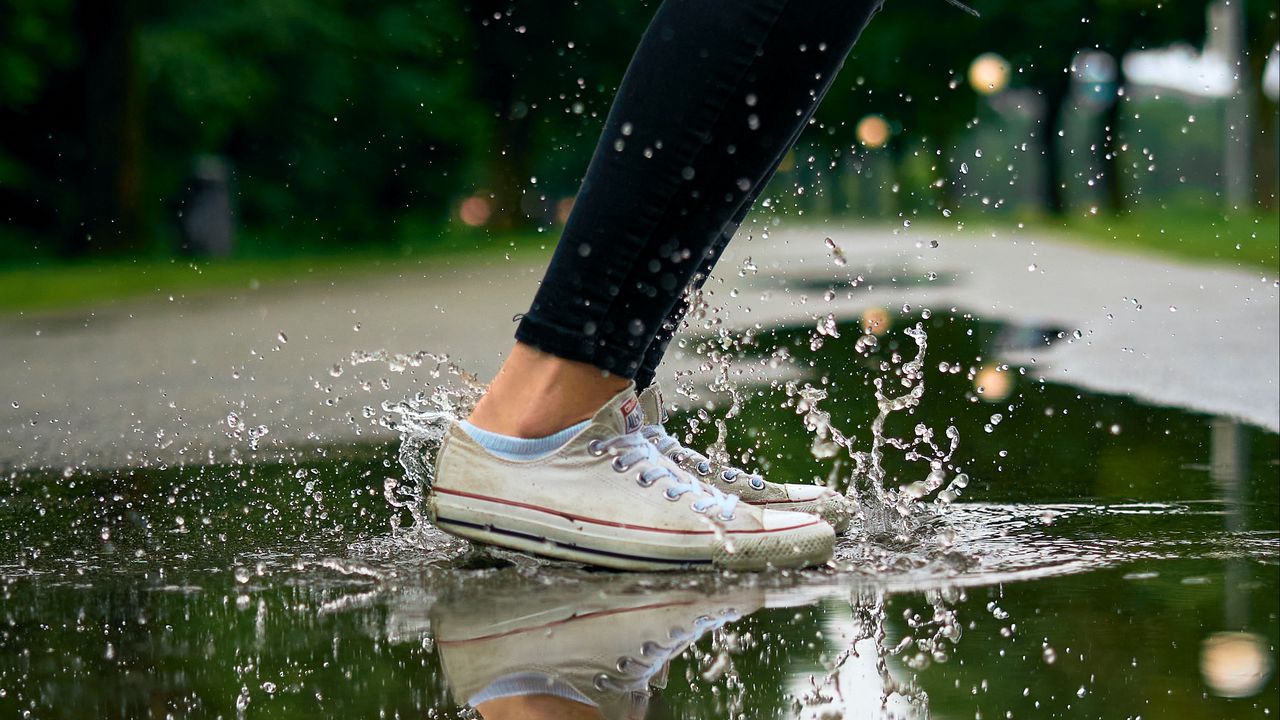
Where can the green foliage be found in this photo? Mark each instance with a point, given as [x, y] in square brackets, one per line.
[33, 45]
[336, 116]
[350, 124]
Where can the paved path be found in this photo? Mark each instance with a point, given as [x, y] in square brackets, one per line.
[152, 382]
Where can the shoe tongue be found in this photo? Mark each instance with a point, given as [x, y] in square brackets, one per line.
[655, 410]
[622, 413]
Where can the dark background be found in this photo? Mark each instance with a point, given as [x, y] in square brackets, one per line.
[341, 124]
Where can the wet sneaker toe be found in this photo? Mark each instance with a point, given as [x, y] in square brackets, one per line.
[827, 504]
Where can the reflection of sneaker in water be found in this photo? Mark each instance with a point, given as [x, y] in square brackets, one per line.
[753, 489]
[594, 645]
[607, 497]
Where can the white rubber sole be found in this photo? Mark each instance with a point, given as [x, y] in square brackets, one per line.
[549, 533]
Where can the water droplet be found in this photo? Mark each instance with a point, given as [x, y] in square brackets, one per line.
[964, 168]
[827, 326]
[282, 337]
[837, 254]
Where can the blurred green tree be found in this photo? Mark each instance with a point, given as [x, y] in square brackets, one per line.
[350, 123]
[915, 73]
[38, 49]
[338, 116]
[546, 72]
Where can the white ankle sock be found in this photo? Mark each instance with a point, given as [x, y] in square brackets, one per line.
[514, 448]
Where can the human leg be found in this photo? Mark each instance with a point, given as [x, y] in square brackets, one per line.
[716, 93]
[715, 96]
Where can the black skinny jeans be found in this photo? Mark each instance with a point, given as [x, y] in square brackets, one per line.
[716, 94]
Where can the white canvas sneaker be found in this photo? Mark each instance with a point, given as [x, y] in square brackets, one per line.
[827, 504]
[609, 498]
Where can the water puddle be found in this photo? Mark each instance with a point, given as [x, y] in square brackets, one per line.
[1026, 550]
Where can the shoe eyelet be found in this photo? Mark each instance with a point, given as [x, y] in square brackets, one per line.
[596, 448]
[703, 469]
[667, 494]
[725, 476]
[678, 457]
[644, 483]
[618, 466]
[757, 483]
[726, 518]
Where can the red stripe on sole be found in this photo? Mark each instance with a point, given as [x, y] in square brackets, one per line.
[610, 523]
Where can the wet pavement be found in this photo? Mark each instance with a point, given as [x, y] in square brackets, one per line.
[1115, 552]
[152, 382]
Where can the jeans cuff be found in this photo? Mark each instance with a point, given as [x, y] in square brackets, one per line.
[578, 346]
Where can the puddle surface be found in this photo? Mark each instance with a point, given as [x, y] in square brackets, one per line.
[1107, 559]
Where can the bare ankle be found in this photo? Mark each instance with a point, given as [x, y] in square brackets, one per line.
[536, 394]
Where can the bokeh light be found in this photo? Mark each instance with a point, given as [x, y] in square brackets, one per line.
[989, 73]
[564, 208]
[475, 211]
[993, 384]
[876, 321]
[873, 131]
[1235, 664]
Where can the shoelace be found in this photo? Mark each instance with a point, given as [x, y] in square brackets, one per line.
[636, 672]
[671, 447]
[635, 447]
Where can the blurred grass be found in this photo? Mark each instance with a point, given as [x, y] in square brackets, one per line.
[1249, 240]
[1243, 241]
[60, 284]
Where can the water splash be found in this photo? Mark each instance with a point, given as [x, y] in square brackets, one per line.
[869, 484]
[421, 422]
[867, 646]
